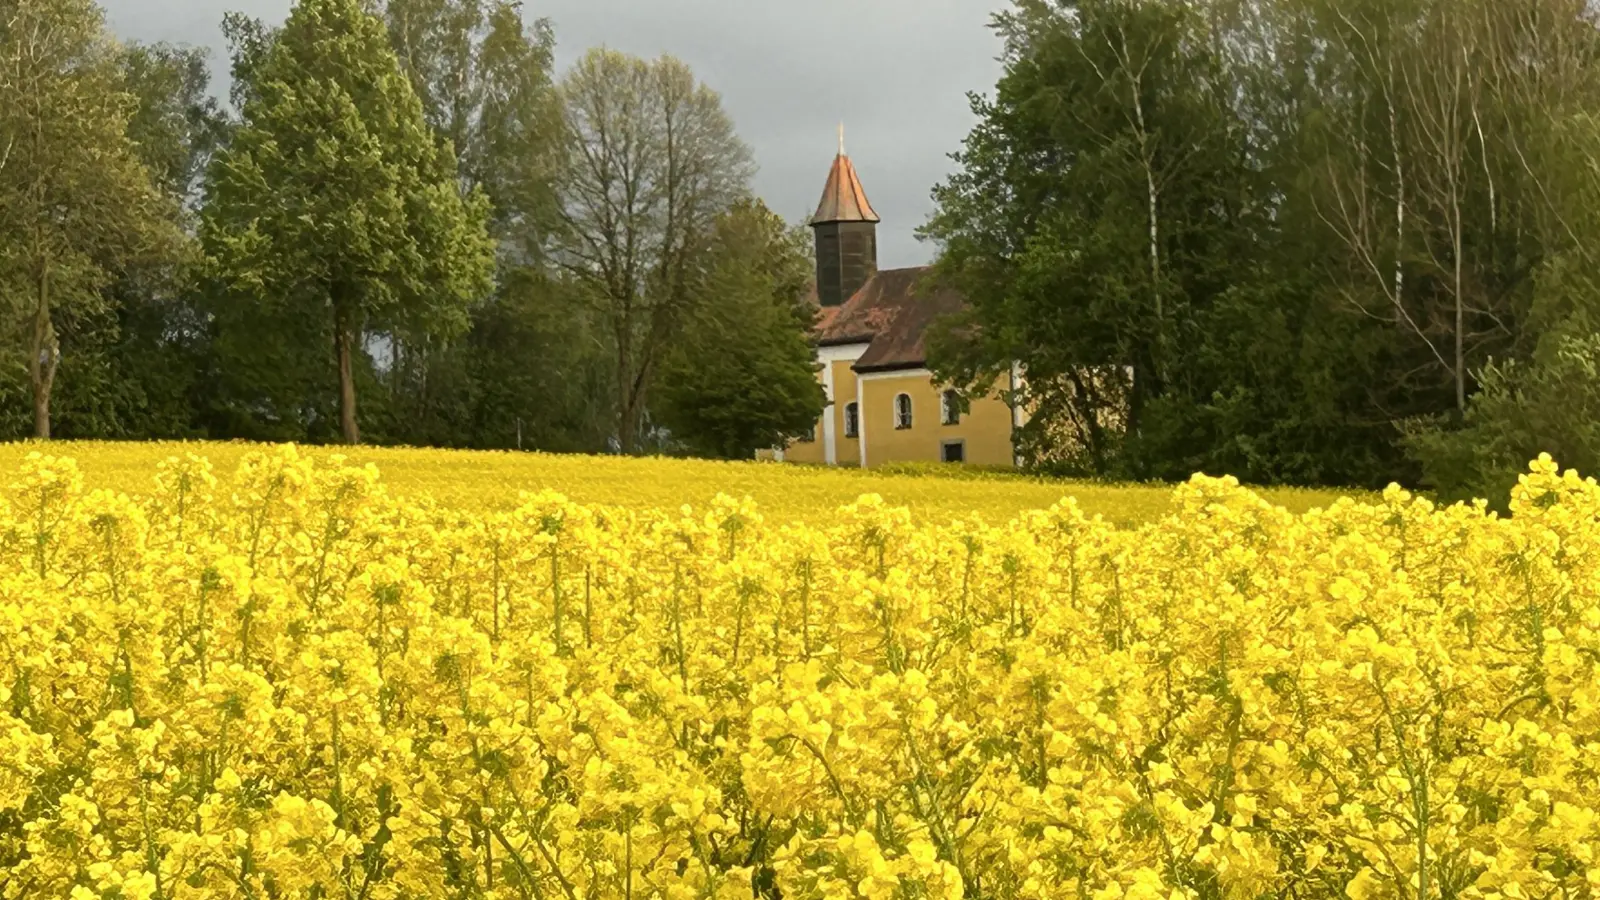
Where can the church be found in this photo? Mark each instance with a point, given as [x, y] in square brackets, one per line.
[884, 405]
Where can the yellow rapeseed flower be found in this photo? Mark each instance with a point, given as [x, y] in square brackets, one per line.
[498, 676]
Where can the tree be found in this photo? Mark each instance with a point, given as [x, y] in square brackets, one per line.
[1110, 129]
[652, 161]
[1550, 404]
[1340, 208]
[1547, 401]
[539, 374]
[76, 202]
[486, 83]
[176, 124]
[1416, 186]
[249, 43]
[743, 374]
[334, 206]
[150, 342]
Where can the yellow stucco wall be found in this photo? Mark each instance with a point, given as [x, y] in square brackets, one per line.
[849, 451]
[844, 393]
[806, 452]
[985, 427]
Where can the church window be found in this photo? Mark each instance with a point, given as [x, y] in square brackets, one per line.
[810, 437]
[950, 408]
[852, 420]
[902, 411]
[953, 452]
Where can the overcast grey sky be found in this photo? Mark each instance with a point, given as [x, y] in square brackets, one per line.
[896, 72]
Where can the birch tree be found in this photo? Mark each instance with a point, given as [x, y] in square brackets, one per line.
[1092, 202]
[1423, 183]
[484, 76]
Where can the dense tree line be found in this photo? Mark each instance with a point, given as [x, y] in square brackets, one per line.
[1336, 241]
[402, 228]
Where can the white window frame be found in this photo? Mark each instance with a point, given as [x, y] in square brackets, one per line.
[852, 417]
[909, 419]
[861, 379]
[949, 407]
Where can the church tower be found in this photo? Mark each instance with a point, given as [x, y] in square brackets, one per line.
[846, 231]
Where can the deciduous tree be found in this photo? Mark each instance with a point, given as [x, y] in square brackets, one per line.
[334, 206]
[485, 78]
[742, 375]
[76, 201]
[148, 347]
[652, 161]
[1098, 206]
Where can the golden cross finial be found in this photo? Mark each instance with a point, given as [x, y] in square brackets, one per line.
[841, 138]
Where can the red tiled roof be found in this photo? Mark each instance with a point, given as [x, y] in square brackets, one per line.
[843, 199]
[891, 313]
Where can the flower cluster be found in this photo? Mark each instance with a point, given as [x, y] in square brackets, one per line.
[292, 683]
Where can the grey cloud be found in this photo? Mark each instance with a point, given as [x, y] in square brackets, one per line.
[896, 72]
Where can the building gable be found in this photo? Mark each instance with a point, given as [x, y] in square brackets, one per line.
[891, 314]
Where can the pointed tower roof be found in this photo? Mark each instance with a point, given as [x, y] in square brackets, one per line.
[844, 199]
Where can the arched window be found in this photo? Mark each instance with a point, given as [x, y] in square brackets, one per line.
[852, 420]
[950, 408]
[902, 411]
[810, 437]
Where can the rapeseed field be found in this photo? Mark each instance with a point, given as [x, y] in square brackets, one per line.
[489, 480]
[289, 678]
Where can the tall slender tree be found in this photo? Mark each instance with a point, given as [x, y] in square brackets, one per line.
[485, 77]
[335, 205]
[148, 346]
[76, 202]
[1111, 140]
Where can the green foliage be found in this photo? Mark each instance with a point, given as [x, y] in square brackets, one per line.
[249, 42]
[528, 367]
[176, 123]
[1256, 238]
[542, 379]
[130, 365]
[1545, 399]
[485, 78]
[333, 214]
[149, 347]
[77, 204]
[1549, 405]
[1118, 250]
[742, 374]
